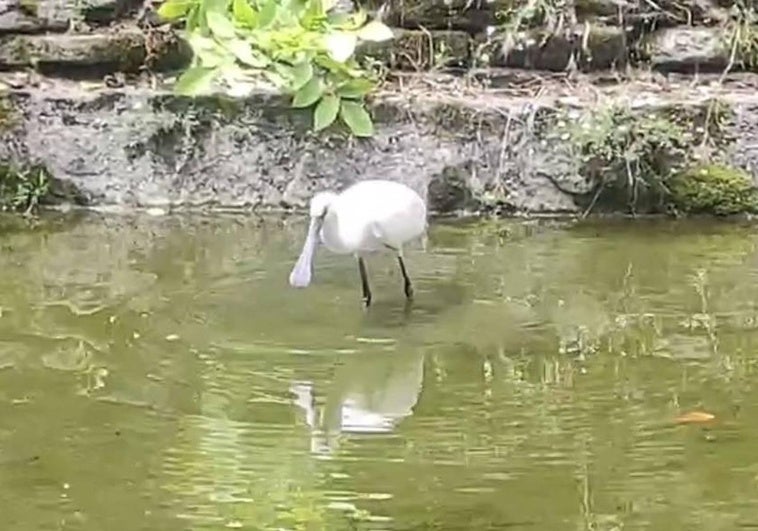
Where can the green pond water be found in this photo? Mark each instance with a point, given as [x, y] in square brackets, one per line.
[158, 373]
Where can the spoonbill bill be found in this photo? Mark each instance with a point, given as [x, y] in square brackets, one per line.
[367, 217]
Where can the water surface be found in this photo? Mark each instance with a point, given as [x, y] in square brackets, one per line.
[159, 373]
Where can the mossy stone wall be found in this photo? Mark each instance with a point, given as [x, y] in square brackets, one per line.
[590, 35]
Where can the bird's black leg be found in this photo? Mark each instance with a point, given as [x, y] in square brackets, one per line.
[364, 282]
[408, 287]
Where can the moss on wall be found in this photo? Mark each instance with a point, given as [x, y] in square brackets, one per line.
[714, 189]
[8, 117]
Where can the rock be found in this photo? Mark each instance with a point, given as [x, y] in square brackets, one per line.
[449, 191]
[475, 16]
[133, 147]
[35, 16]
[687, 49]
[658, 14]
[121, 50]
[592, 47]
[594, 9]
[103, 12]
[471, 16]
[418, 50]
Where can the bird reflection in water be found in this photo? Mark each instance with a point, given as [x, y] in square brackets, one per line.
[371, 393]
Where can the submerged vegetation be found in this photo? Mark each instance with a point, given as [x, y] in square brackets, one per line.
[305, 48]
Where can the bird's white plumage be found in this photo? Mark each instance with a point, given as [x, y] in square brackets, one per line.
[368, 216]
[371, 215]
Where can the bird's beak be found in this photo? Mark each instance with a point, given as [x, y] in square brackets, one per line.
[300, 276]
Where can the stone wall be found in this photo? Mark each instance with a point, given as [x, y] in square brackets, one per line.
[124, 35]
[82, 93]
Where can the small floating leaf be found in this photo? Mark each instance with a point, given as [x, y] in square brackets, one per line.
[221, 26]
[694, 417]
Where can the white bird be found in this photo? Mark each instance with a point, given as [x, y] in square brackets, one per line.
[367, 217]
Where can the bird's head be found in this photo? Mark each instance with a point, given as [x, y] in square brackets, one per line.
[320, 204]
[300, 276]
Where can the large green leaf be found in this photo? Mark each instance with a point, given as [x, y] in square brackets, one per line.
[218, 6]
[356, 118]
[268, 13]
[195, 80]
[201, 21]
[208, 51]
[220, 25]
[245, 53]
[355, 88]
[326, 112]
[309, 94]
[348, 69]
[275, 78]
[193, 18]
[313, 15]
[302, 73]
[295, 9]
[244, 13]
[284, 70]
[174, 9]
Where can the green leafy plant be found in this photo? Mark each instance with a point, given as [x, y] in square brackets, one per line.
[305, 48]
[621, 150]
[667, 159]
[741, 36]
[516, 16]
[714, 188]
[22, 189]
